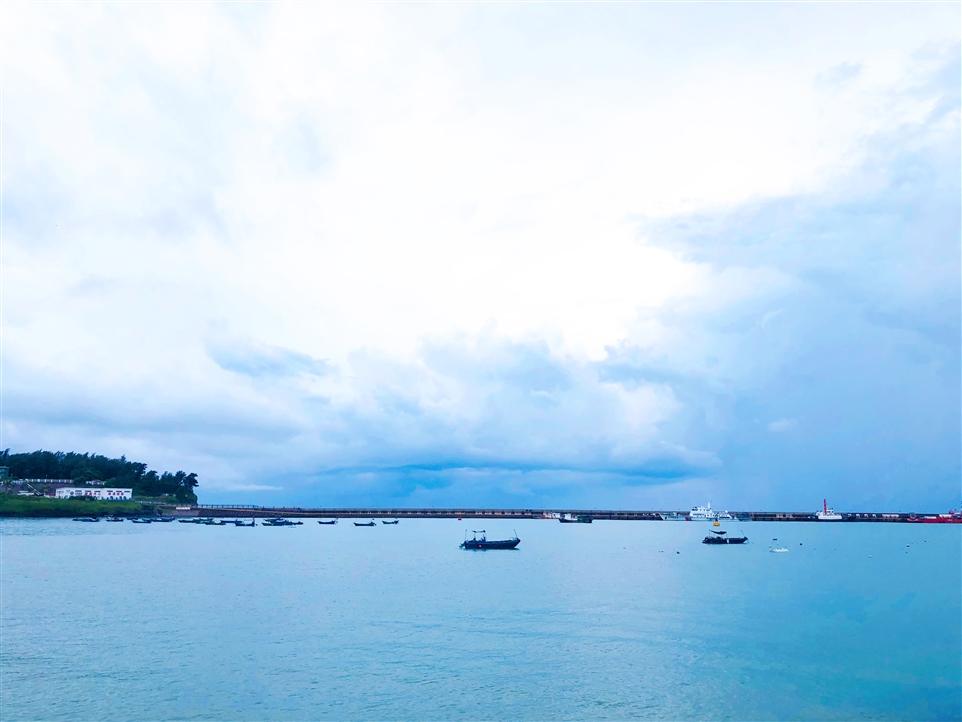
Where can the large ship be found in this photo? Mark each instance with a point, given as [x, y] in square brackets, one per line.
[827, 514]
[953, 517]
[702, 513]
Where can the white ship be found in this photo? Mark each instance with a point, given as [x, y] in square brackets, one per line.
[827, 514]
[702, 513]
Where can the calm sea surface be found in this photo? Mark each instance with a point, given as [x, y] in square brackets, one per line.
[608, 620]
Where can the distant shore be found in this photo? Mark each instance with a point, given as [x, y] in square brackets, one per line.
[12, 505]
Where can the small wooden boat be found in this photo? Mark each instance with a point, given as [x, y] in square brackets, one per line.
[390, 522]
[141, 521]
[87, 518]
[721, 537]
[484, 543]
[114, 518]
[332, 521]
[368, 523]
[281, 521]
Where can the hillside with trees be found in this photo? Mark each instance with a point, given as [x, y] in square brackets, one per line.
[85, 468]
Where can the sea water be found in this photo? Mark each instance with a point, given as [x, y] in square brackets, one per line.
[613, 620]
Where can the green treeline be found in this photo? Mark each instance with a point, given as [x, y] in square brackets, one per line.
[33, 506]
[83, 468]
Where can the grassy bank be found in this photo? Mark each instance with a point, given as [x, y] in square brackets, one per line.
[36, 506]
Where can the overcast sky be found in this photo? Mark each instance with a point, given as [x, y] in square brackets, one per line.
[592, 255]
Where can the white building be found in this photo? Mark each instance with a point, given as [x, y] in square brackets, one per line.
[69, 492]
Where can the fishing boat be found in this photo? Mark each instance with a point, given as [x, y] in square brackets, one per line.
[365, 523]
[721, 537]
[332, 521]
[281, 521]
[827, 514]
[390, 522]
[673, 516]
[163, 519]
[484, 543]
[113, 518]
[87, 518]
[141, 521]
[241, 522]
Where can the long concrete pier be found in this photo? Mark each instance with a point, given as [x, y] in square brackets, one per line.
[482, 513]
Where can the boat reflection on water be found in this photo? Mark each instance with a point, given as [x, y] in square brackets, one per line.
[483, 542]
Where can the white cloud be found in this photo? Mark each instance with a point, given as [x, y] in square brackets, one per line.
[286, 215]
[782, 425]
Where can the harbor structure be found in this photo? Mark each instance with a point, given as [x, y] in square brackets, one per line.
[103, 494]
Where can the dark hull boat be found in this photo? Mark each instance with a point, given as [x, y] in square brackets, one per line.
[365, 523]
[390, 522]
[484, 543]
[721, 537]
[332, 521]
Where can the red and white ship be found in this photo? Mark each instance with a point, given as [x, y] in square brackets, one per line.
[953, 517]
[827, 514]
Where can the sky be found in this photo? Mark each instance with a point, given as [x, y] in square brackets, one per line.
[527, 255]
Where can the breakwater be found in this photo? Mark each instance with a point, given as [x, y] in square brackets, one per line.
[483, 513]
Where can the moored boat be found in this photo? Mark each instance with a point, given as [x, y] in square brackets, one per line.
[702, 513]
[484, 543]
[390, 522]
[365, 523]
[332, 521]
[87, 518]
[953, 517]
[575, 519]
[827, 514]
[721, 537]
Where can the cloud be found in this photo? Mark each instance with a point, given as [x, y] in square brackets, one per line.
[263, 361]
[326, 249]
[838, 74]
[782, 425]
